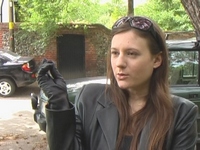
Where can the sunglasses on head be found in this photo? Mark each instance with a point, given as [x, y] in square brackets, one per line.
[137, 22]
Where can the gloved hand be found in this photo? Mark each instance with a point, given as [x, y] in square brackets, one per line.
[53, 85]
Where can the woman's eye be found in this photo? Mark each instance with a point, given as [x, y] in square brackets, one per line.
[132, 53]
[114, 53]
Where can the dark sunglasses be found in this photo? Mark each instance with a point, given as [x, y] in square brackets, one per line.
[140, 23]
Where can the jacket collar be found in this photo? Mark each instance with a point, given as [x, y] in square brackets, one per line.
[108, 118]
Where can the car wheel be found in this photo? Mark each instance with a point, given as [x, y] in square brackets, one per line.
[7, 87]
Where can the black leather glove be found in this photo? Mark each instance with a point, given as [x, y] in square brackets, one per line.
[53, 85]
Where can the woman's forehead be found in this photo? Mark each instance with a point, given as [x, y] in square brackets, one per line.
[128, 38]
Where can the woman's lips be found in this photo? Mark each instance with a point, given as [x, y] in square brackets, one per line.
[121, 76]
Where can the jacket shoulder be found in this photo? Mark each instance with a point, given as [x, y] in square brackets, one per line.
[184, 130]
[180, 102]
[87, 102]
[90, 94]
[90, 91]
[184, 110]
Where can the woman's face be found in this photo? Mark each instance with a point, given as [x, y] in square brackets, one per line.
[131, 61]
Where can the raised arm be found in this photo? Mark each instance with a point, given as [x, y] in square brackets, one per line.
[60, 115]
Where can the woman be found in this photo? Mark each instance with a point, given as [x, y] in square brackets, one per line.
[136, 111]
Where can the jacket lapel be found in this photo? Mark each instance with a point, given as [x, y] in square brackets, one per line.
[109, 120]
[144, 138]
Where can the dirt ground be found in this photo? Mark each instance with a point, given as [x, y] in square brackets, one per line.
[18, 131]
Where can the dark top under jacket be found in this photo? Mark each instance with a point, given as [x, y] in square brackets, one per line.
[92, 124]
[126, 143]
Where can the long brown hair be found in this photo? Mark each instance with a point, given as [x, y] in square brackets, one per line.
[158, 109]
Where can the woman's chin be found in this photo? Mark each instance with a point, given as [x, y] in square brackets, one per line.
[122, 86]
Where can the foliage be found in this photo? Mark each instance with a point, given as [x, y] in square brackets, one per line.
[43, 18]
[171, 16]
[73, 11]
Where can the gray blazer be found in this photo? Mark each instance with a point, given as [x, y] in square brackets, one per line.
[92, 124]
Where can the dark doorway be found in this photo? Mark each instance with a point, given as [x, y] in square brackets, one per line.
[71, 55]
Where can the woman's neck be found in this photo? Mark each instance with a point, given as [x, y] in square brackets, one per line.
[137, 101]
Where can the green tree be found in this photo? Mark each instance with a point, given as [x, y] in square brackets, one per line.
[192, 8]
[48, 13]
[43, 18]
[170, 16]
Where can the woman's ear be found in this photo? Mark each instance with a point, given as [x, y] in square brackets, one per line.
[157, 60]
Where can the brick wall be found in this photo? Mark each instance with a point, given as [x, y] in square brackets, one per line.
[4, 30]
[180, 35]
[97, 41]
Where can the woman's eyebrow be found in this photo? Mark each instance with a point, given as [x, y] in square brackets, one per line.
[113, 48]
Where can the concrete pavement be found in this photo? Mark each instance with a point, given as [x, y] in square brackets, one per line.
[18, 131]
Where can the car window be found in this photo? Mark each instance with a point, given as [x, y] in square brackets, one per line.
[183, 67]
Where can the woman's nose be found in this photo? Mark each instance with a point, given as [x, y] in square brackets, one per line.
[121, 61]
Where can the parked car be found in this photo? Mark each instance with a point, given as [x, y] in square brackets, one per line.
[184, 78]
[15, 71]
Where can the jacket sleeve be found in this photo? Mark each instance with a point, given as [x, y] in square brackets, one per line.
[61, 130]
[185, 127]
